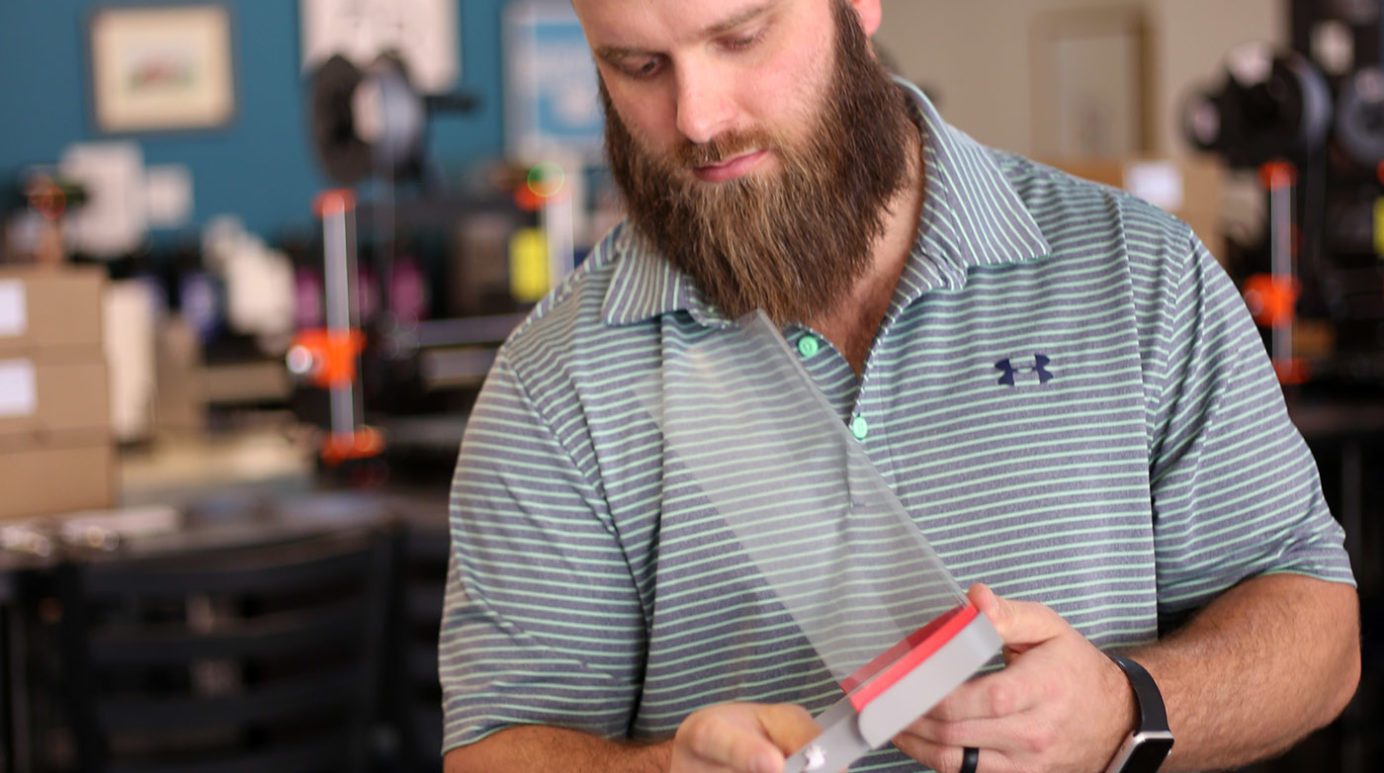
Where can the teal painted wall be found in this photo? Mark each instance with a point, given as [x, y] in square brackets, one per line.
[260, 166]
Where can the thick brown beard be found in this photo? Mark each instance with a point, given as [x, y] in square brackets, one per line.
[794, 243]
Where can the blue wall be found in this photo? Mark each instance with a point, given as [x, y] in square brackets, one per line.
[260, 166]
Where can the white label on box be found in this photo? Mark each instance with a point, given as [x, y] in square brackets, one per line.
[14, 316]
[1157, 182]
[18, 395]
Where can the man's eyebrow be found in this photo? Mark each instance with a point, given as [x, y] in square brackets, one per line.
[747, 15]
[617, 53]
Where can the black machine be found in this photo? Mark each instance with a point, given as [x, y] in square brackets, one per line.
[421, 347]
[1311, 122]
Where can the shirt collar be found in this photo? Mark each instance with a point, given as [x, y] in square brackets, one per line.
[972, 216]
[644, 285]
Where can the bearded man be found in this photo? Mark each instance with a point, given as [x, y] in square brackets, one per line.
[1056, 380]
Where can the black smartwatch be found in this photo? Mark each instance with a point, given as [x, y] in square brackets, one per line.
[1145, 748]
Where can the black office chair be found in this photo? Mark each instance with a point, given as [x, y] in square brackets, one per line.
[417, 694]
[262, 658]
[1366, 721]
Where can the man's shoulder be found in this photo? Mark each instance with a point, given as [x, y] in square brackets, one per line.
[1044, 183]
[565, 322]
[1068, 207]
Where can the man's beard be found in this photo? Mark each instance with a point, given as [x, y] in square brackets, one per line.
[793, 243]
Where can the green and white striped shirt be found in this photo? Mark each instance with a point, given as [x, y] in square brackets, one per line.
[1066, 394]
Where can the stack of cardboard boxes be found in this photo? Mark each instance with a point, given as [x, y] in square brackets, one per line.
[56, 450]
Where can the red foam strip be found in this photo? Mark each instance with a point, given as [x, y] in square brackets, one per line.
[895, 663]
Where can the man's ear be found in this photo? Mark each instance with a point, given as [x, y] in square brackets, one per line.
[870, 14]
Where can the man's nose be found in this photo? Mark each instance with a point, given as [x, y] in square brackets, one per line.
[705, 108]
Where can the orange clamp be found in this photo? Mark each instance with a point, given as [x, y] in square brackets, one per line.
[331, 355]
[1277, 174]
[364, 443]
[334, 202]
[1272, 300]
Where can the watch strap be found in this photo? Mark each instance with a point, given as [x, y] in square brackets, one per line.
[1147, 698]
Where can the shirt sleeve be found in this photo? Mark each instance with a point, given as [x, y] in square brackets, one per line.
[1235, 489]
[541, 622]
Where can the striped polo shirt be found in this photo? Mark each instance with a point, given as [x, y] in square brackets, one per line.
[1066, 395]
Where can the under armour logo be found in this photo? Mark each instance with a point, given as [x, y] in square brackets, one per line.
[1039, 366]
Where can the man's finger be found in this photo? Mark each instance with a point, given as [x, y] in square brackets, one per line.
[992, 733]
[789, 726]
[746, 737]
[715, 740]
[1020, 624]
[992, 696]
[946, 759]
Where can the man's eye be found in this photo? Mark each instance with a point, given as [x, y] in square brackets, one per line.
[740, 43]
[646, 68]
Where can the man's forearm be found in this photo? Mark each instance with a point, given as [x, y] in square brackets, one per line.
[536, 748]
[1262, 666]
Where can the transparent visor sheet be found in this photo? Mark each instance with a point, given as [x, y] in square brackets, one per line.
[798, 491]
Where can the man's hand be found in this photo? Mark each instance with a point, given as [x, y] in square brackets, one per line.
[742, 737]
[1059, 705]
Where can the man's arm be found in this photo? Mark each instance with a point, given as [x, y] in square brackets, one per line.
[1264, 664]
[743, 737]
[536, 748]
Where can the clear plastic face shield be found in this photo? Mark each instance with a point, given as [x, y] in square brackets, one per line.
[824, 530]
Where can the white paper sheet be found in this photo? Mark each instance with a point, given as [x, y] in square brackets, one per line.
[18, 394]
[14, 312]
[1157, 182]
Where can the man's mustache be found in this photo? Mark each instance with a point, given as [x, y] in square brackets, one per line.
[721, 148]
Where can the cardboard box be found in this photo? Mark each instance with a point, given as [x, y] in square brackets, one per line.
[45, 478]
[56, 451]
[1190, 189]
[43, 308]
[47, 396]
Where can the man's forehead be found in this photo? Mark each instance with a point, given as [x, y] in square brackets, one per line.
[645, 23]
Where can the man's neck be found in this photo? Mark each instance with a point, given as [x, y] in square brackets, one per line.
[852, 325]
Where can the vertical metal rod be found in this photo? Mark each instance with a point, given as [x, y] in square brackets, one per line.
[1281, 259]
[340, 271]
[556, 219]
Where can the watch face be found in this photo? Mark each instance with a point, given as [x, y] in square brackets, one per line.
[1148, 755]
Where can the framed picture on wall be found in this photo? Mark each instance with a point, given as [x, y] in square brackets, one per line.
[163, 67]
[552, 101]
[1090, 84]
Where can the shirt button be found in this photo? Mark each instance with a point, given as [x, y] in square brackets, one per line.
[860, 428]
[808, 346]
